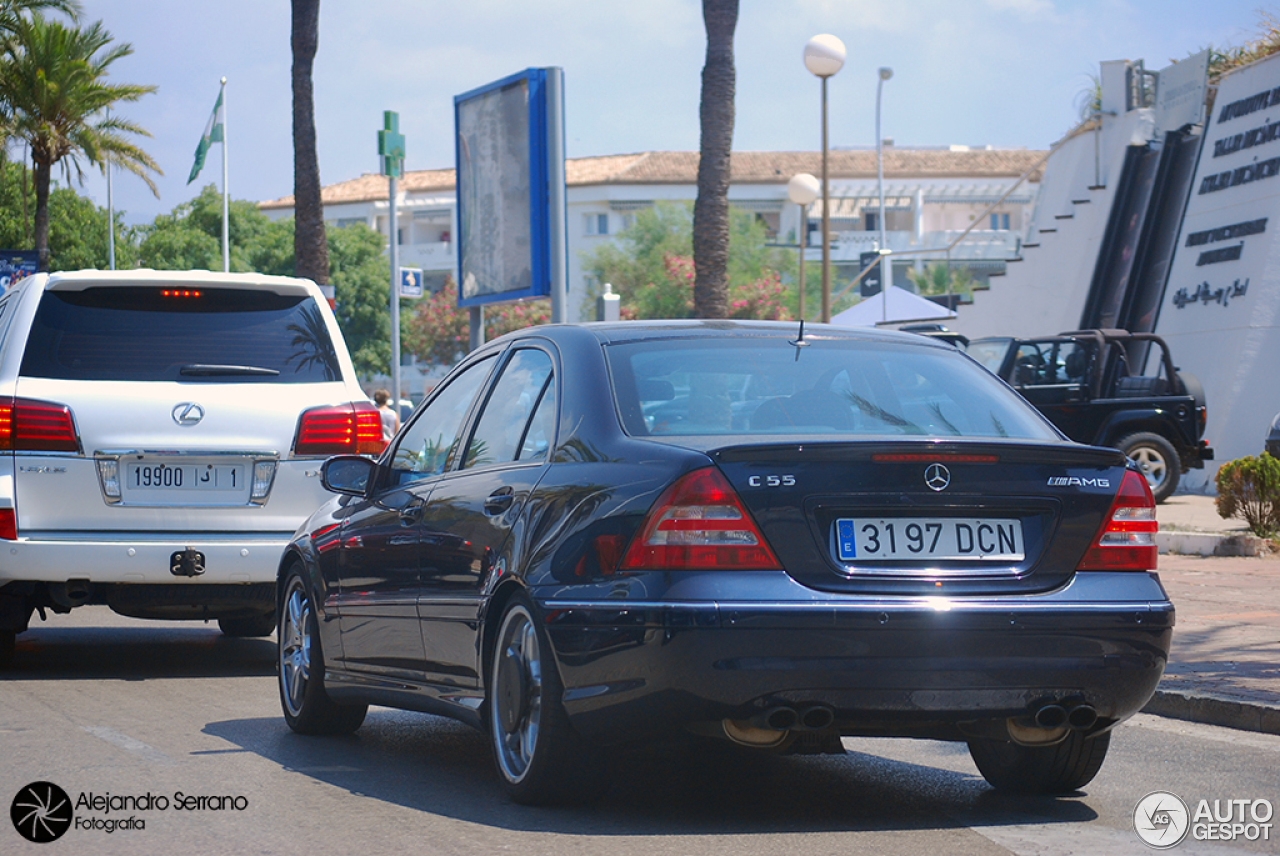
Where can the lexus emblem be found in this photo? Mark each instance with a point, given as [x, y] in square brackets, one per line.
[937, 477]
[188, 413]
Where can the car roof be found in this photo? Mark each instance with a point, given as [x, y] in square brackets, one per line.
[635, 331]
[82, 279]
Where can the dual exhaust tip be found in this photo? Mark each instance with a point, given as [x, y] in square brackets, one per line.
[814, 717]
[1078, 717]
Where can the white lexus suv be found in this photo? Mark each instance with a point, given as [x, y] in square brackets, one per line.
[161, 436]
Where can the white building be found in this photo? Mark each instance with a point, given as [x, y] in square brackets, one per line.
[931, 197]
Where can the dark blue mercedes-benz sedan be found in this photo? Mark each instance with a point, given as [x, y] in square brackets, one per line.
[597, 535]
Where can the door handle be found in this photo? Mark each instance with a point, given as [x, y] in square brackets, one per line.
[412, 512]
[499, 501]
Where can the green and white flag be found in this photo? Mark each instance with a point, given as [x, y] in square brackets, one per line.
[212, 134]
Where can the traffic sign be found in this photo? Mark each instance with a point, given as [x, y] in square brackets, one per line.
[410, 282]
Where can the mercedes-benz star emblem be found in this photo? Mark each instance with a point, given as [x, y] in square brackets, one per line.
[188, 413]
[937, 477]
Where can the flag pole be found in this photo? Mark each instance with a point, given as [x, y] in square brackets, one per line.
[226, 246]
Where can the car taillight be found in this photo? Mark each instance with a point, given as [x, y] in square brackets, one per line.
[699, 524]
[344, 429]
[1127, 540]
[36, 426]
[8, 524]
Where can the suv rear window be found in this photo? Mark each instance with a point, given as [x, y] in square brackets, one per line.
[156, 333]
[755, 386]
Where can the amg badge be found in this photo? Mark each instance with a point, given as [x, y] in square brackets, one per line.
[1067, 481]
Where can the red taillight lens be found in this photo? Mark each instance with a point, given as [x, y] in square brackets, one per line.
[1127, 540]
[699, 524]
[344, 429]
[36, 426]
[8, 524]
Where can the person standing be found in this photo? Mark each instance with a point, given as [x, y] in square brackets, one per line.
[390, 419]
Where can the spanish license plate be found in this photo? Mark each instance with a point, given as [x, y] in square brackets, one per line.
[197, 477]
[869, 538]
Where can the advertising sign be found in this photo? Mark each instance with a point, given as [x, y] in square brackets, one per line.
[410, 282]
[504, 243]
[15, 264]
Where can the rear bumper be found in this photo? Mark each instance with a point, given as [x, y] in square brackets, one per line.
[142, 558]
[910, 666]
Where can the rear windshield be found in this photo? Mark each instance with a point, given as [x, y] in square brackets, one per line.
[844, 387]
[154, 333]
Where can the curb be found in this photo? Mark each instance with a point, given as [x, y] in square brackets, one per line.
[1215, 710]
[1211, 543]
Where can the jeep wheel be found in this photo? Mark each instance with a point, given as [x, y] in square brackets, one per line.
[1159, 463]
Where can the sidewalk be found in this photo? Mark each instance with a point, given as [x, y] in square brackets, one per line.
[1224, 666]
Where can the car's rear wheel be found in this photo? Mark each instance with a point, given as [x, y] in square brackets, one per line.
[7, 644]
[307, 707]
[1057, 769]
[1158, 461]
[540, 758]
[257, 625]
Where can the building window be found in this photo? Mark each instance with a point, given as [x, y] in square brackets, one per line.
[595, 224]
[347, 222]
[869, 221]
[1000, 221]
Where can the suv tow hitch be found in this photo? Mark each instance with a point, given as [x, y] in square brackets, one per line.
[187, 563]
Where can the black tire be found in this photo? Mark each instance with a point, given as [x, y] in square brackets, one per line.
[257, 625]
[307, 707]
[1059, 769]
[1157, 459]
[540, 759]
[7, 644]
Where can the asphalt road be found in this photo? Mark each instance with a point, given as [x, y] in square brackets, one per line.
[101, 705]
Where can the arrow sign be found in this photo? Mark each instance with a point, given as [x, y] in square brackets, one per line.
[410, 282]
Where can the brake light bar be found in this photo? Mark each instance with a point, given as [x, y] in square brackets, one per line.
[178, 292]
[36, 426]
[1127, 539]
[699, 524]
[354, 428]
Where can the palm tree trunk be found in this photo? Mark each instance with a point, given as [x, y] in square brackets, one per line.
[711, 211]
[42, 171]
[310, 248]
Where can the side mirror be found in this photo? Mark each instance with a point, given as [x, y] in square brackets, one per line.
[349, 474]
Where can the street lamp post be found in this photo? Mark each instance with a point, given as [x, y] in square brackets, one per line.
[886, 267]
[824, 56]
[802, 189]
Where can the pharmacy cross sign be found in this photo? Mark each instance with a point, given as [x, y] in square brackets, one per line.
[391, 144]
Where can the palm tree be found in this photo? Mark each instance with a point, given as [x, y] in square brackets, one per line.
[711, 210]
[12, 11]
[53, 91]
[310, 248]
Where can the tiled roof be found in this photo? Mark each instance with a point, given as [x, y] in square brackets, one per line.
[746, 168]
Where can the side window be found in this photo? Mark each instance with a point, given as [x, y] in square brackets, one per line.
[427, 446]
[541, 432]
[503, 426]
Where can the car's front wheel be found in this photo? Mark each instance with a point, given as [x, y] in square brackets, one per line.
[540, 758]
[307, 707]
[1057, 769]
[1158, 461]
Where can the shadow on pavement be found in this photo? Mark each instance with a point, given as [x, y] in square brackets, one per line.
[444, 768]
[142, 652]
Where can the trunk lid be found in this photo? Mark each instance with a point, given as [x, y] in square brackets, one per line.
[953, 518]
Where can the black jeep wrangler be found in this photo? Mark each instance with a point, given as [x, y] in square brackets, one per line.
[1092, 385]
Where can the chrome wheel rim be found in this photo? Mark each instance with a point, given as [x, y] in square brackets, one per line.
[516, 694]
[295, 647]
[1153, 465]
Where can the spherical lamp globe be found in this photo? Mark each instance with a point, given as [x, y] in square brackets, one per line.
[824, 55]
[803, 189]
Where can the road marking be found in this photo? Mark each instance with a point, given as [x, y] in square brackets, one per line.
[148, 753]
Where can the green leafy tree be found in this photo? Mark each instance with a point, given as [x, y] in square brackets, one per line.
[77, 227]
[189, 237]
[938, 279]
[650, 267]
[1249, 488]
[53, 85]
[361, 277]
[438, 331]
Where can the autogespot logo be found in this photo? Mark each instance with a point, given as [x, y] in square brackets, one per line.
[42, 812]
[1161, 819]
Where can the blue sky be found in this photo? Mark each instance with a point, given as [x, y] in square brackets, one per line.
[976, 72]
